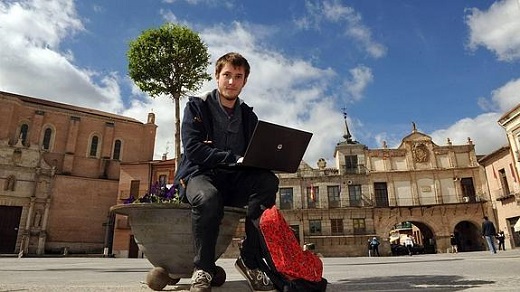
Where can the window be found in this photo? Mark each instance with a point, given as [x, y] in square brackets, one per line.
[117, 150]
[313, 193]
[47, 135]
[354, 194]
[24, 131]
[351, 164]
[334, 196]
[10, 183]
[359, 225]
[381, 194]
[94, 146]
[336, 226]
[315, 227]
[468, 190]
[134, 188]
[296, 230]
[286, 198]
[503, 182]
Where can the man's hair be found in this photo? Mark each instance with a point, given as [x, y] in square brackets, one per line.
[234, 59]
[485, 217]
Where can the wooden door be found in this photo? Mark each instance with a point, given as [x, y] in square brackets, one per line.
[9, 225]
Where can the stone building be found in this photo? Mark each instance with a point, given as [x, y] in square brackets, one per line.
[59, 173]
[503, 178]
[504, 188]
[437, 189]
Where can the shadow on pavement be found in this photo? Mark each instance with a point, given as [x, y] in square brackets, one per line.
[394, 283]
[398, 283]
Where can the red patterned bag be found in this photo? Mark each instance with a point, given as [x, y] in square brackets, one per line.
[288, 257]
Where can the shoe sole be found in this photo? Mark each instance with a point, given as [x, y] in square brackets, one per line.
[249, 282]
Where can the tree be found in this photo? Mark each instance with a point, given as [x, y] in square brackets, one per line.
[171, 60]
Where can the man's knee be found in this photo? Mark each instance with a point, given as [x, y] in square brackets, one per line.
[206, 205]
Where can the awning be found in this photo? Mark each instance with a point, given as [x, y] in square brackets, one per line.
[517, 226]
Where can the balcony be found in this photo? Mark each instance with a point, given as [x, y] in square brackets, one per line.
[359, 169]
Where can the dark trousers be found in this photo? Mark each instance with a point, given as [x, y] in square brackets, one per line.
[209, 192]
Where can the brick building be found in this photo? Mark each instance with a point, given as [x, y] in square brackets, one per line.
[136, 180]
[59, 172]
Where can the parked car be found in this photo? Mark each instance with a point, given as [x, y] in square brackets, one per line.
[398, 250]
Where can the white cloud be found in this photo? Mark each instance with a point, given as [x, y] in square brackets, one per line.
[483, 131]
[33, 63]
[496, 29]
[361, 77]
[507, 96]
[335, 12]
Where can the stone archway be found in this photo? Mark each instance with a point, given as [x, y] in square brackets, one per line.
[422, 233]
[427, 237]
[468, 237]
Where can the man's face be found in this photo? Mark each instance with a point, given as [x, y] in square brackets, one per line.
[230, 81]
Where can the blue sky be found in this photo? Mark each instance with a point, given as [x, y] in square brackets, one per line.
[450, 66]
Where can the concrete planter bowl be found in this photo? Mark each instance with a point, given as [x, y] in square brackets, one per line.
[163, 233]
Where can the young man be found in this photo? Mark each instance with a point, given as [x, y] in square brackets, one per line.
[216, 129]
[488, 233]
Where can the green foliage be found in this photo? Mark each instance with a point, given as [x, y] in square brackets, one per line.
[170, 60]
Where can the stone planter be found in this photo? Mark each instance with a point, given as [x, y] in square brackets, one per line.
[163, 233]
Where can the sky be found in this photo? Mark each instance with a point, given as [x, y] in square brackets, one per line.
[452, 67]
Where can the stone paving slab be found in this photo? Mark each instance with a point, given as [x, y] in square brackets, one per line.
[474, 271]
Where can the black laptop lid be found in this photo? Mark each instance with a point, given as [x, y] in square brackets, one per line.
[276, 147]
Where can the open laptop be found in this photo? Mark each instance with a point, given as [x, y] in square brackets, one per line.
[275, 147]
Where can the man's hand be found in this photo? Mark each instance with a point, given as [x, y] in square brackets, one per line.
[240, 160]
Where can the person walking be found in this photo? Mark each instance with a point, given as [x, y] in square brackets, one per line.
[216, 129]
[374, 245]
[489, 233]
[454, 244]
[501, 238]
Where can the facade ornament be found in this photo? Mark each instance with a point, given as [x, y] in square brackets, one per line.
[420, 152]
[321, 163]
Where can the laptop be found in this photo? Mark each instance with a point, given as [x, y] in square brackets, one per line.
[275, 147]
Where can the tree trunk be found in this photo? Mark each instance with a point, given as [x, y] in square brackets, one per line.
[176, 98]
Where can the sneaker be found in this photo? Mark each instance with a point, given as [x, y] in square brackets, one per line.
[257, 280]
[201, 281]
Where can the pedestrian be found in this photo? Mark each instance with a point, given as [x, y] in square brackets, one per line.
[216, 129]
[501, 238]
[408, 242]
[369, 246]
[374, 245]
[454, 244]
[489, 233]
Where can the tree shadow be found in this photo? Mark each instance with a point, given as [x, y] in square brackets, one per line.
[398, 283]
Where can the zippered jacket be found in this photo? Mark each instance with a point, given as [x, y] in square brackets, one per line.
[197, 135]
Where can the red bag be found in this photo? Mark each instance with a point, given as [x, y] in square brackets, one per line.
[288, 257]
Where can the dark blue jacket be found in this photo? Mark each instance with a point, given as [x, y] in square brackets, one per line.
[488, 228]
[196, 132]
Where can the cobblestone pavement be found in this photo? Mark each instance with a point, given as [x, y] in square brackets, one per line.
[473, 271]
